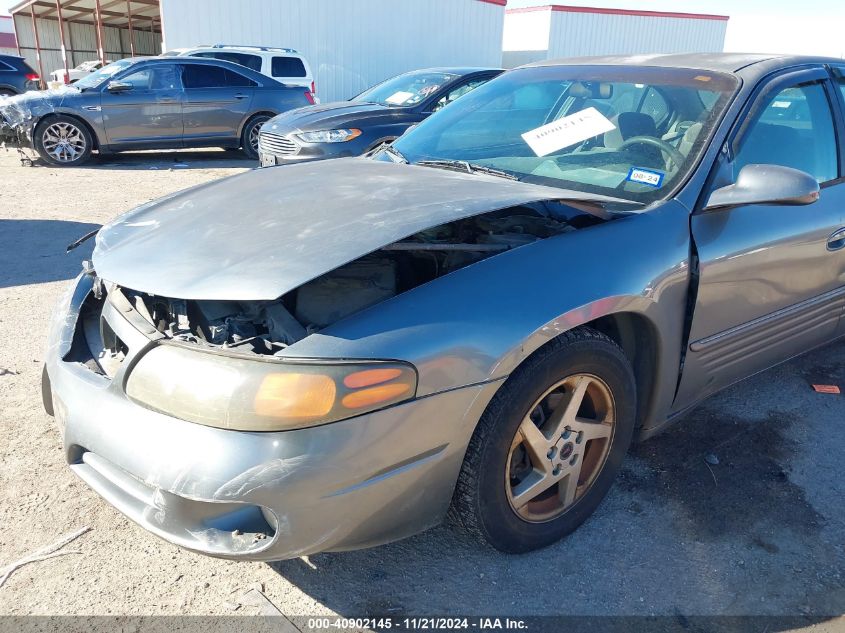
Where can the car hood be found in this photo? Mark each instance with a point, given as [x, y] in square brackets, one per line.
[258, 235]
[329, 115]
[23, 107]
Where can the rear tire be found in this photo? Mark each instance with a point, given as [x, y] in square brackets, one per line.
[63, 141]
[550, 444]
[249, 136]
[6, 93]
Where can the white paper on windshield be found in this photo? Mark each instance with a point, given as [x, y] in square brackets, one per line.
[781, 104]
[398, 98]
[567, 131]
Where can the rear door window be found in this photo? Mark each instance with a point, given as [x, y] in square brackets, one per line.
[287, 67]
[794, 129]
[206, 76]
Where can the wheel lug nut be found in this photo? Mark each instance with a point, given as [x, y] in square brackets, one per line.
[580, 437]
[556, 471]
[573, 460]
[566, 433]
[552, 452]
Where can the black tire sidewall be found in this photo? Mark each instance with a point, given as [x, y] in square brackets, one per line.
[39, 145]
[246, 148]
[503, 528]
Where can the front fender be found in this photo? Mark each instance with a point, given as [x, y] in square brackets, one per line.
[479, 323]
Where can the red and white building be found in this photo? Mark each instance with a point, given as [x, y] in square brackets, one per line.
[8, 42]
[555, 31]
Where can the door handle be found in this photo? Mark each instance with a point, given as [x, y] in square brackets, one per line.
[836, 240]
[166, 99]
[240, 96]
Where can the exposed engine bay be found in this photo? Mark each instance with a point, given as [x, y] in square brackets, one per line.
[267, 327]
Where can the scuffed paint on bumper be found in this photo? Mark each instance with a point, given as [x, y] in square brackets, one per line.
[260, 496]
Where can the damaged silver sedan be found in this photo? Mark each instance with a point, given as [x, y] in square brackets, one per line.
[333, 355]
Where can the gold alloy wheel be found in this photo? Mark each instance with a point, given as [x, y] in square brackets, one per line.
[560, 447]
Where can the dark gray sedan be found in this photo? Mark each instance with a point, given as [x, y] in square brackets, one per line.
[149, 103]
[376, 116]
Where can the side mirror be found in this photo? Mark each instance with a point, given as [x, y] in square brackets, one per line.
[116, 87]
[766, 184]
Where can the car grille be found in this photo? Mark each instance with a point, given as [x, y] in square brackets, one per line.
[276, 144]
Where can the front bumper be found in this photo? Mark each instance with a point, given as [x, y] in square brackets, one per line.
[295, 151]
[256, 496]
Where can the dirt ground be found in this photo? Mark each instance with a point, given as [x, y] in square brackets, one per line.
[760, 532]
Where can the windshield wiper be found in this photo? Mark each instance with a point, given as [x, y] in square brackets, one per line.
[470, 168]
[387, 147]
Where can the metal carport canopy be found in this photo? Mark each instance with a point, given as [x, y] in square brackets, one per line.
[124, 14]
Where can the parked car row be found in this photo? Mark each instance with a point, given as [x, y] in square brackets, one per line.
[476, 319]
[222, 95]
[150, 103]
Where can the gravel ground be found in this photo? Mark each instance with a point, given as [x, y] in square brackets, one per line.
[761, 532]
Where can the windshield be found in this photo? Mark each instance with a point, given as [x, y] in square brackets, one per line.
[405, 90]
[89, 66]
[95, 79]
[627, 132]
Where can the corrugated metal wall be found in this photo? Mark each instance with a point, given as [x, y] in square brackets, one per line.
[531, 35]
[350, 45]
[82, 38]
[575, 34]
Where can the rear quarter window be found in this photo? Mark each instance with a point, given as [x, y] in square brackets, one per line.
[4, 67]
[287, 67]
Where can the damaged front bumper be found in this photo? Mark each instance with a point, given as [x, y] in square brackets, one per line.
[16, 123]
[249, 495]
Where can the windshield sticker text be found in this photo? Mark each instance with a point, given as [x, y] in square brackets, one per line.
[567, 131]
[398, 98]
[645, 176]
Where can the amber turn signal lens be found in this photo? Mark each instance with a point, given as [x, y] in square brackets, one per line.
[295, 396]
[375, 395]
[370, 377]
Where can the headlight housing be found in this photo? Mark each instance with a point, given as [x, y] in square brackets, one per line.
[245, 394]
[329, 136]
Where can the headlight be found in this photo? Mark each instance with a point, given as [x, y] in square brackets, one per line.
[264, 395]
[329, 136]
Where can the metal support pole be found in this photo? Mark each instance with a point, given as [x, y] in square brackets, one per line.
[37, 48]
[101, 44]
[62, 39]
[131, 32]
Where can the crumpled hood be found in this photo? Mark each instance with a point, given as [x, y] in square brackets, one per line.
[260, 234]
[33, 103]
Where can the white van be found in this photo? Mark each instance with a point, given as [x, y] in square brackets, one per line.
[282, 64]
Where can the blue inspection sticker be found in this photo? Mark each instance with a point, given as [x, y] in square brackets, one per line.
[646, 176]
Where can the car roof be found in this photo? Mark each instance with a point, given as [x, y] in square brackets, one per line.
[753, 63]
[456, 70]
[255, 50]
[243, 70]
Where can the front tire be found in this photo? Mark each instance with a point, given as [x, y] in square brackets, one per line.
[548, 447]
[249, 136]
[63, 141]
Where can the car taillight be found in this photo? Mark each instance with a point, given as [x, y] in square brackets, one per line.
[310, 97]
[313, 89]
[33, 77]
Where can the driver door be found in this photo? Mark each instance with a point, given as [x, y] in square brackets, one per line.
[148, 114]
[771, 282]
